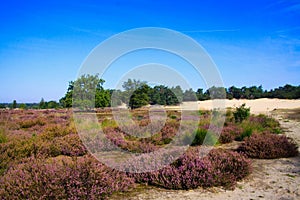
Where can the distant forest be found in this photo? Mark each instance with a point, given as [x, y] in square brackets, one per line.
[138, 93]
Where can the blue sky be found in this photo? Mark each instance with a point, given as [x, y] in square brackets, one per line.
[43, 43]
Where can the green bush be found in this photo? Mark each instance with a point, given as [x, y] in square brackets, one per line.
[199, 137]
[265, 123]
[247, 132]
[241, 113]
[203, 135]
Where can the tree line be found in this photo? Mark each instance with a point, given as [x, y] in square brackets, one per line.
[88, 92]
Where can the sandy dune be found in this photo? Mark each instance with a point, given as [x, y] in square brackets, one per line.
[256, 106]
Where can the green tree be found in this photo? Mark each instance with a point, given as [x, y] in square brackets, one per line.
[52, 104]
[130, 86]
[102, 98]
[235, 92]
[23, 106]
[217, 92]
[200, 95]
[140, 97]
[66, 101]
[189, 95]
[42, 104]
[177, 96]
[116, 97]
[84, 93]
[14, 104]
[158, 95]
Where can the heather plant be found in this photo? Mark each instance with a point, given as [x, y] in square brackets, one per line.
[230, 132]
[87, 179]
[52, 131]
[108, 123]
[82, 178]
[32, 122]
[268, 146]
[226, 137]
[218, 168]
[70, 145]
[3, 137]
[13, 151]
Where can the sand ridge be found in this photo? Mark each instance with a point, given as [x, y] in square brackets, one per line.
[257, 106]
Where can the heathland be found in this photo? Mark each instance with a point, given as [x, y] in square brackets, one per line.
[255, 155]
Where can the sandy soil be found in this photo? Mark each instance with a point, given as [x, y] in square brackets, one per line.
[271, 179]
[256, 106]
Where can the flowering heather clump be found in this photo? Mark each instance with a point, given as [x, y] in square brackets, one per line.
[268, 146]
[168, 132]
[218, 168]
[226, 137]
[32, 122]
[84, 178]
[146, 147]
[52, 130]
[229, 133]
[70, 145]
[115, 136]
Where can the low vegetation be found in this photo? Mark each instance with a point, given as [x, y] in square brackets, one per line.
[42, 156]
[77, 178]
[218, 168]
[269, 146]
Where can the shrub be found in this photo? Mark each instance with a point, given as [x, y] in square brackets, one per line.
[264, 122]
[32, 122]
[70, 145]
[173, 117]
[13, 151]
[3, 137]
[204, 135]
[199, 137]
[52, 131]
[268, 146]
[84, 178]
[229, 133]
[241, 113]
[226, 137]
[247, 132]
[218, 168]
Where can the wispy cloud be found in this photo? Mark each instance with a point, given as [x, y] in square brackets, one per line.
[288, 30]
[286, 5]
[211, 31]
[91, 32]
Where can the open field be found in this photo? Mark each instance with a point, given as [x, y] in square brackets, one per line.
[42, 155]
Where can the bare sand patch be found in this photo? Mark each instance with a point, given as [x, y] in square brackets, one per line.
[263, 106]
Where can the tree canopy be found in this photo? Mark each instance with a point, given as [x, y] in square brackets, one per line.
[88, 92]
